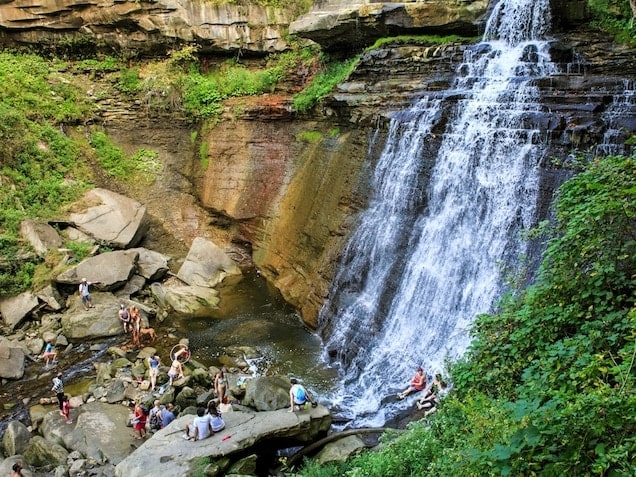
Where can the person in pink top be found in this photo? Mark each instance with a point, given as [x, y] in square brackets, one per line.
[418, 383]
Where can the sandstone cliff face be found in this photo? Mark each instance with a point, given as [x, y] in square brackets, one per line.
[147, 27]
[282, 192]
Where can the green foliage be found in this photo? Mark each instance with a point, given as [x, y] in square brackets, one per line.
[203, 154]
[129, 82]
[548, 385]
[323, 83]
[419, 39]
[143, 165]
[310, 137]
[40, 167]
[614, 17]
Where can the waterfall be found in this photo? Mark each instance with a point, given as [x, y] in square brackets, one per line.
[429, 252]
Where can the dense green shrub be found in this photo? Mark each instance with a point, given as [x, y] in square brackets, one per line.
[548, 385]
[615, 17]
[323, 84]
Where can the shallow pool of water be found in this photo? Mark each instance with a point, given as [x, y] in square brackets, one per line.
[251, 314]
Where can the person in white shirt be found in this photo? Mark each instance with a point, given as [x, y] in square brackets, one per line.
[87, 301]
[201, 427]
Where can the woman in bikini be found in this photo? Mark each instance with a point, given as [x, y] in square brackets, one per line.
[220, 385]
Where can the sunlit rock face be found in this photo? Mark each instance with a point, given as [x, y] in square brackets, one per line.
[147, 27]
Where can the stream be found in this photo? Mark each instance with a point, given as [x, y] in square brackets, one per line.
[250, 314]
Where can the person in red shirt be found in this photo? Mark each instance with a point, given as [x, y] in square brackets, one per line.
[418, 383]
[139, 421]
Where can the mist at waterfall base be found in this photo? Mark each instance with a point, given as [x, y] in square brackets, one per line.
[443, 228]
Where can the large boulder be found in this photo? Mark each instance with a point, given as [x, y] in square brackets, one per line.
[11, 360]
[184, 299]
[267, 393]
[40, 452]
[168, 454]
[98, 322]
[15, 439]
[109, 271]
[206, 264]
[41, 236]
[110, 218]
[16, 308]
[98, 431]
[346, 24]
[151, 265]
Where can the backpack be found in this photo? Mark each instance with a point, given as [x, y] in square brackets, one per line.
[300, 394]
[154, 420]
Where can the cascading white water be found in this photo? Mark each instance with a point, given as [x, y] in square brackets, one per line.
[423, 263]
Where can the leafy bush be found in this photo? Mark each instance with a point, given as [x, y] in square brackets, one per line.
[143, 165]
[548, 384]
[615, 17]
[323, 83]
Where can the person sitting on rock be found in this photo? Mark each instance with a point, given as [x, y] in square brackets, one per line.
[201, 427]
[429, 401]
[217, 422]
[418, 383]
[299, 396]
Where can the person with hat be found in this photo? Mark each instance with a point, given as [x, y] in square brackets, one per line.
[87, 301]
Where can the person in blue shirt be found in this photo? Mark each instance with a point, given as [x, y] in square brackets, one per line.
[49, 353]
[299, 396]
[167, 414]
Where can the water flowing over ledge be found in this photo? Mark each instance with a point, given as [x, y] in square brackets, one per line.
[430, 252]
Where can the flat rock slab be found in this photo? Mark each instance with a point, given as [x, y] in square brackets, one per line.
[167, 453]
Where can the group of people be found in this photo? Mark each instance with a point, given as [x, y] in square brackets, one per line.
[154, 419]
[433, 392]
[131, 322]
[62, 399]
[207, 423]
